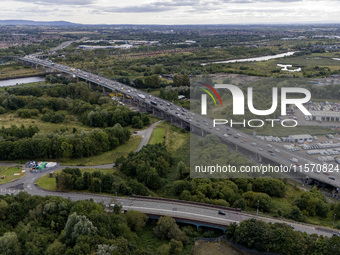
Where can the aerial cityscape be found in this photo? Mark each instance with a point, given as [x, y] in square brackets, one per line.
[169, 127]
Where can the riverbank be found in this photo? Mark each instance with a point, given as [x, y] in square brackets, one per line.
[43, 74]
[20, 81]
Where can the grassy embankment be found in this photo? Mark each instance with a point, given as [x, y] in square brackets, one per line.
[9, 173]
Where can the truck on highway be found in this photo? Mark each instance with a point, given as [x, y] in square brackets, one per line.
[153, 103]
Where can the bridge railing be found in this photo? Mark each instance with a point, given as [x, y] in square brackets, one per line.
[188, 202]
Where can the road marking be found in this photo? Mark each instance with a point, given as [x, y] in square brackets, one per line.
[180, 212]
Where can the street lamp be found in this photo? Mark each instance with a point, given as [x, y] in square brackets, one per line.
[257, 211]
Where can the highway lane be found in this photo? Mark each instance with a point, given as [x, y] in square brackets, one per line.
[172, 208]
[281, 158]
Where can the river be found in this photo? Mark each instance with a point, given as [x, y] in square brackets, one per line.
[263, 58]
[13, 82]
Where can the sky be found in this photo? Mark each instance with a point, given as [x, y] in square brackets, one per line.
[174, 12]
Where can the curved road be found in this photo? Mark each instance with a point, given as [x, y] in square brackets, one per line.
[202, 213]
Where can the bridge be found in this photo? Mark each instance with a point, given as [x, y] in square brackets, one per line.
[191, 121]
[198, 214]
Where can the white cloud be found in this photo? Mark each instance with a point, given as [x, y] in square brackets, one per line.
[173, 11]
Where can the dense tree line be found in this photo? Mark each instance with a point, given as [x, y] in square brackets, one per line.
[62, 145]
[90, 107]
[279, 238]
[232, 192]
[58, 226]
[149, 166]
[15, 133]
[74, 179]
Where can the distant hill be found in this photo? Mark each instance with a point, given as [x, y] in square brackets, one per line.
[36, 23]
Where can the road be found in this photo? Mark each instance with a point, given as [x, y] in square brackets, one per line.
[198, 121]
[146, 135]
[188, 211]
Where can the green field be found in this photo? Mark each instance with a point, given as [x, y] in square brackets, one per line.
[16, 70]
[216, 248]
[157, 136]
[9, 119]
[308, 63]
[48, 183]
[9, 173]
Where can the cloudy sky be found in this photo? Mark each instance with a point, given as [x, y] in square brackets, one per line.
[173, 11]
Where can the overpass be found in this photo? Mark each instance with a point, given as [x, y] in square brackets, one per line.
[191, 121]
[199, 214]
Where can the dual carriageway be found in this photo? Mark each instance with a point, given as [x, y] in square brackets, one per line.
[249, 145]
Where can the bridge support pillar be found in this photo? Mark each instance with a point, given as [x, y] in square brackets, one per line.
[202, 132]
[124, 98]
[145, 108]
[138, 103]
[153, 110]
[90, 87]
[77, 79]
[162, 114]
[181, 123]
[259, 158]
[236, 147]
[103, 90]
[130, 100]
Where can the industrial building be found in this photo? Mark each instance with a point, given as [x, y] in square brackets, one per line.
[325, 116]
[300, 138]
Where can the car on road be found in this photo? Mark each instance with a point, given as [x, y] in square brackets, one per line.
[260, 149]
[222, 213]
[332, 178]
[272, 154]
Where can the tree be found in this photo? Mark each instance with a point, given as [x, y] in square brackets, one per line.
[77, 226]
[152, 81]
[3, 209]
[56, 248]
[137, 122]
[176, 247]
[117, 208]
[136, 220]
[168, 229]
[9, 244]
[182, 170]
